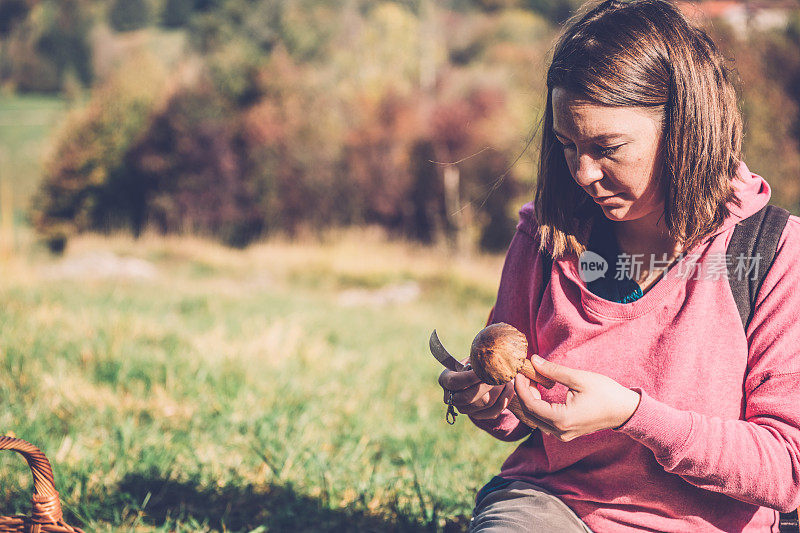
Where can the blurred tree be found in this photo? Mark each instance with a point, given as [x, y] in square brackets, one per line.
[429, 176]
[129, 15]
[305, 114]
[208, 5]
[284, 142]
[768, 69]
[65, 40]
[294, 138]
[428, 209]
[176, 13]
[254, 23]
[304, 27]
[49, 49]
[307, 27]
[234, 69]
[496, 5]
[493, 190]
[378, 161]
[12, 12]
[557, 11]
[457, 139]
[386, 49]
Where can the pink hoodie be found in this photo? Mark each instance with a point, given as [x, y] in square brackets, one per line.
[714, 444]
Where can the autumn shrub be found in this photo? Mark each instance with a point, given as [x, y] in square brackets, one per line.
[91, 150]
[262, 143]
[429, 169]
[186, 174]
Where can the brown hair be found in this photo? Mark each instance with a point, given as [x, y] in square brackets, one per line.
[644, 53]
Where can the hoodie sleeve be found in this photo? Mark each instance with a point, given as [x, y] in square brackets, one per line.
[517, 295]
[757, 459]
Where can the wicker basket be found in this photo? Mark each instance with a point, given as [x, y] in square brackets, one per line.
[46, 514]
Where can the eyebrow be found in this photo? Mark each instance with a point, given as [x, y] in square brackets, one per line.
[601, 137]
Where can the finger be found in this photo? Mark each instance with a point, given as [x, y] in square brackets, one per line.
[526, 393]
[481, 401]
[472, 394]
[499, 405]
[530, 387]
[532, 401]
[526, 417]
[560, 373]
[456, 381]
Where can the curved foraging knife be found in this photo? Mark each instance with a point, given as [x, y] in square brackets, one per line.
[443, 356]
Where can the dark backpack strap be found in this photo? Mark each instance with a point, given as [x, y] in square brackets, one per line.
[754, 239]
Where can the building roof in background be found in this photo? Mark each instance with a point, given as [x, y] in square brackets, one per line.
[712, 8]
[742, 15]
[715, 8]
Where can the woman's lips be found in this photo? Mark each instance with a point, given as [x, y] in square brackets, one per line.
[604, 199]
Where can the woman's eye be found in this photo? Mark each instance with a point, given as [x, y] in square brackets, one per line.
[602, 151]
[605, 151]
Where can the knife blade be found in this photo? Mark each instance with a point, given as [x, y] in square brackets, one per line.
[443, 356]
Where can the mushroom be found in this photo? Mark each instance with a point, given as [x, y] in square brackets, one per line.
[500, 352]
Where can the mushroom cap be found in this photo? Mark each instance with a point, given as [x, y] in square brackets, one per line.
[497, 353]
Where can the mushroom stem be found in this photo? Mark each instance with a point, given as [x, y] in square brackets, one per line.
[529, 372]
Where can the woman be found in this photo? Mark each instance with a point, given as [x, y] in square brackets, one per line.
[667, 415]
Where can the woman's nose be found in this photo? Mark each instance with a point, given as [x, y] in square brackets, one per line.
[587, 170]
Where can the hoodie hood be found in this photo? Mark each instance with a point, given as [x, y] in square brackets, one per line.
[754, 193]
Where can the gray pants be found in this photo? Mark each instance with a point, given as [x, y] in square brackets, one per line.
[522, 507]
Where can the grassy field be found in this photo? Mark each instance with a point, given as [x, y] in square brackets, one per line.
[180, 386]
[26, 124]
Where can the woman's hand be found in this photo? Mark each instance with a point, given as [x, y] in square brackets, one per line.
[593, 402]
[473, 397]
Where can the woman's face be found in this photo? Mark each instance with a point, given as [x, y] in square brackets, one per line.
[613, 153]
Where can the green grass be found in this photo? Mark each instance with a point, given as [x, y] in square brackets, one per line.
[235, 392]
[26, 124]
